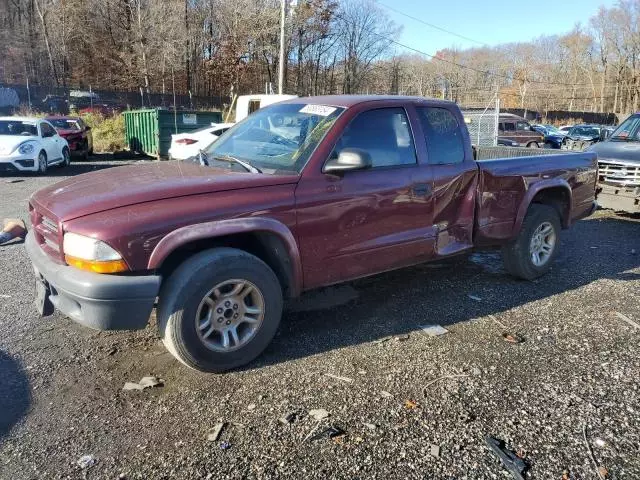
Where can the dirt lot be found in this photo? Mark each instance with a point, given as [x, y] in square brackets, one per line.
[412, 406]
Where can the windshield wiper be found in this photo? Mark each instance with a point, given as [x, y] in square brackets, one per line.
[228, 158]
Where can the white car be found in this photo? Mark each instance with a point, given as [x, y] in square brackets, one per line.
[30, 145]
[187, 145]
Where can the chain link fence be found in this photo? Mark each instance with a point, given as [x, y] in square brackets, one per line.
[482, 115]
[51, 99]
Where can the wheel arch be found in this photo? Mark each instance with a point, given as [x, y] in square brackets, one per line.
[268, 239]
[555, 193]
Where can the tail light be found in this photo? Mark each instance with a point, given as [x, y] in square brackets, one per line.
[186, 141]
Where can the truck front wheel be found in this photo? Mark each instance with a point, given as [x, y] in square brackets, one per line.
[531, 254]
[219, 309]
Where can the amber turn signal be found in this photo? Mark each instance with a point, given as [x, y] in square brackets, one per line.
[109, 266]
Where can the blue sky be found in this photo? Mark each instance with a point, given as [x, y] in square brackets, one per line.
[489, 21]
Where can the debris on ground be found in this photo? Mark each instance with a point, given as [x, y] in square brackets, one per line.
[475, 297]
[14, 180]
[515, 465]
[215, 432]
[565, 475]
[225, 446]
[329, 432]
[600, 470]
[86, 461]
[385, 394]
[251, 406]
[460, 375]
[12, 228]
[434, 330]
[435, 451]
[624, 318]
[402, 338]
[342, 379]
[319, 414]
[288, 418]
[512, 338]
[410, 404]
[145, 382]
[371, 426]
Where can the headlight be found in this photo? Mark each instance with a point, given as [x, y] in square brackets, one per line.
[26, 148]
[91, 254]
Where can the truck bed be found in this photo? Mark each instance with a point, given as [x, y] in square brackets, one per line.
[507, 185]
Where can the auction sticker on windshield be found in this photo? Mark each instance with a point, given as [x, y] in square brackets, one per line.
[322, 110]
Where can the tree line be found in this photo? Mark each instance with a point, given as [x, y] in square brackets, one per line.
[221, 48]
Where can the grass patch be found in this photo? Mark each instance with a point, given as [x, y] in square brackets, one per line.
[108, 132]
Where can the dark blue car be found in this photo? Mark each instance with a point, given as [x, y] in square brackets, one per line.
[552, 136]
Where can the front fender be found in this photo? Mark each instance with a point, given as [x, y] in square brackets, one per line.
[212, 230]
[530, 195]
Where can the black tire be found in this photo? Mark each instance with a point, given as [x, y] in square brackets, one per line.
[66, 158]
[517, 255]
[42, 162]
[533, 145]
[183, 292]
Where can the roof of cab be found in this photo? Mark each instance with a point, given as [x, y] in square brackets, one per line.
[351, 100]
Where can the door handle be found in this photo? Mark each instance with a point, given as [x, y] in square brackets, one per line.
[421, 189]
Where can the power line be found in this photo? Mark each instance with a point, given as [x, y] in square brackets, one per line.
[430, 24]
[434, 57]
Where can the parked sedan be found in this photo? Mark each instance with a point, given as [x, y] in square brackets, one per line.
[552, 136]
[30, 145]
[188, 145]
[77, 133]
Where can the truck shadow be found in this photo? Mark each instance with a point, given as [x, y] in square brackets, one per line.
[15, 394]
[398, 302]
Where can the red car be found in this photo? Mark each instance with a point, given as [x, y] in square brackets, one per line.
[76, 133]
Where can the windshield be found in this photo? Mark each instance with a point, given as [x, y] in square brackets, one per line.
[18, 127]
[278, 137]
[585, 131]
[629, 130]
[64, 123]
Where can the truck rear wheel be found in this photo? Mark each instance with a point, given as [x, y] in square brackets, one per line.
[532, 253]
[219, 309]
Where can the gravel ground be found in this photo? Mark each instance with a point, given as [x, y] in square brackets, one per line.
[412, 406]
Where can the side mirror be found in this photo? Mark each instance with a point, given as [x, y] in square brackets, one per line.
[604, 134]
[348, 160]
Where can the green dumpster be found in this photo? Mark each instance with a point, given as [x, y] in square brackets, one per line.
[149, 131]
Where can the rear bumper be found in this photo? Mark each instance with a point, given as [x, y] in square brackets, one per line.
[102, 302]
[619, 198]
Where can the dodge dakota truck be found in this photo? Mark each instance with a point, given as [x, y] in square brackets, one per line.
[302, 194]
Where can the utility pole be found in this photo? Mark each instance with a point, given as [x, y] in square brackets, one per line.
[283, 12]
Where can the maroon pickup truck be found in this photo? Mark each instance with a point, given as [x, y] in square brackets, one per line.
[302, 194]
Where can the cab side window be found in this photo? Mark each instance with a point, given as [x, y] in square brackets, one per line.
[443, 135]
[384, 133]
[509, 127]
[523, 126]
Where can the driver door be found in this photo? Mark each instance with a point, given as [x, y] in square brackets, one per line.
[368, 221]
[51, 142]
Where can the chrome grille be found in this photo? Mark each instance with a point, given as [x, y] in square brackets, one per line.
[47, 233]
[619, 173]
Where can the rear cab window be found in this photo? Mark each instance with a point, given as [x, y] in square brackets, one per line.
[443, 135]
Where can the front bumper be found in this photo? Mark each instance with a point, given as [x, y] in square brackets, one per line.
[98, 301]
[17, 163]
[619, 198]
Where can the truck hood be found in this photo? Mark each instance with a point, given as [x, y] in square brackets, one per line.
[615, 150]
[128, 185]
